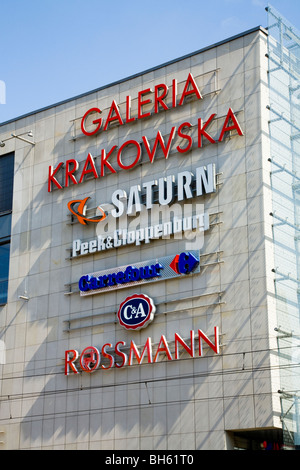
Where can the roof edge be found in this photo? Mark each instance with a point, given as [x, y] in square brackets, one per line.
[117, 82]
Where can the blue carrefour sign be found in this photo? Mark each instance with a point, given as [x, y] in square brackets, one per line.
[168, 267]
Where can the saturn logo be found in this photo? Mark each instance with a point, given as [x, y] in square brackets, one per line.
[81, 211]
[136, 312]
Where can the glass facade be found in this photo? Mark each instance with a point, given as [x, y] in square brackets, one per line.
[284, 128]
[6, 196]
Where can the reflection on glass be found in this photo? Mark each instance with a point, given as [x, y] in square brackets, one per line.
[3, 292]
[5, 226]
[4, 261]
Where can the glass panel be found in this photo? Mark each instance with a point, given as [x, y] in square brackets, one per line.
[284, 86]
[6, 197]
[4, 267]
[4, 261]
[3, 292]
[6, 181]
[5, 226]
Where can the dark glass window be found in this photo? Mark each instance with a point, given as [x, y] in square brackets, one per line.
[6, 182]
[6, 197]
[4, 265]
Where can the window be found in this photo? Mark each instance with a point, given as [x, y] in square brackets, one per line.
[6, 196]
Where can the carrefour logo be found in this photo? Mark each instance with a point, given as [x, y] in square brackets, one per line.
[158, 269]
[136, 312]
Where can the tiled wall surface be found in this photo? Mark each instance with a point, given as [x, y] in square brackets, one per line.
[187, 403]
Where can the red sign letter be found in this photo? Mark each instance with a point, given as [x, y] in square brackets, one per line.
[134, 350]
[97, 121]
[69, 362]
[117, 117]
[93, 170]
[121, 354]
[185, 136]
[104, 161]
[109, 356]
[89, 359]
[201, 131]
[194, 89]
[235, 125]
[69, 173]
[159, 139]
[51, 178]
[141, 103]
[214, 347]
[128, 110]
[138, 155]
[159, 98]
[190, 349]
[164, 348]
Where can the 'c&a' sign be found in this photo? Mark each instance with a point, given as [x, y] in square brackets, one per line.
[136, 312]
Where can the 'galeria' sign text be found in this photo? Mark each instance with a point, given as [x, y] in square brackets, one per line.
[68, 173]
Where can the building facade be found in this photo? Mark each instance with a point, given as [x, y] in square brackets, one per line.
[140, 269]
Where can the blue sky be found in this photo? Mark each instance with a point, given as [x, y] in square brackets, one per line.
[52, 50]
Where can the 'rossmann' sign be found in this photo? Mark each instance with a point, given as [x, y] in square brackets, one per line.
[67, 173]
[120, 355]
